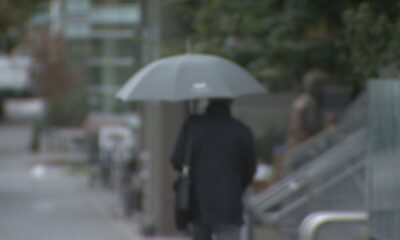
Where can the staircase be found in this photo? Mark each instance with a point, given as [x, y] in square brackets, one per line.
[325, 173]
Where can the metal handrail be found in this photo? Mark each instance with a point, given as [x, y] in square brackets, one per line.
[351, 148]
[303, 199]
[354, 119]
[313, 222]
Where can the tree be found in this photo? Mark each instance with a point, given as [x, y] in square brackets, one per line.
[54, 81]
[372, 41]
[279, 40]
[13, 16]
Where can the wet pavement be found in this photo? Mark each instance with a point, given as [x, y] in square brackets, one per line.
[41, 203]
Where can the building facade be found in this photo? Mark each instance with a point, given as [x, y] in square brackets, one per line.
[101, 45]
[107, 41]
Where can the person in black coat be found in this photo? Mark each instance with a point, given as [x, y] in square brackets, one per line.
[223, 163]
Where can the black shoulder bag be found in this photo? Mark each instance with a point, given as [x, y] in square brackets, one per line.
[183, 191]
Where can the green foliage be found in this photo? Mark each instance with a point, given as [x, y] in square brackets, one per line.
[373, 40]
[54, 80]
[13, 15]
[279, 40]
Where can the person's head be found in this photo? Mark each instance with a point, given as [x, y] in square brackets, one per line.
[313, 81]
[220, 101]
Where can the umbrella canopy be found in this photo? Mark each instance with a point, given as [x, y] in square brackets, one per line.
[188, 77]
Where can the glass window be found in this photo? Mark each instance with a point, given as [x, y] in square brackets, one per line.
[113, 1]
[77, 5]
[118, 48]
[122, 74]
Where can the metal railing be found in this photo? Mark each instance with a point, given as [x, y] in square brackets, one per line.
[316, 171]
[348, 156]
[354, 119]
[315, 221]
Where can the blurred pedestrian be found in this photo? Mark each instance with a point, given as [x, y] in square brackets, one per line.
[222, 164]
[306, 118]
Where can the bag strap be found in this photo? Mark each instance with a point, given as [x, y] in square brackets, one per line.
[187, 162]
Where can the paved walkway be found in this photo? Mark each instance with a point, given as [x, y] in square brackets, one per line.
[50, 206]
[38, 202]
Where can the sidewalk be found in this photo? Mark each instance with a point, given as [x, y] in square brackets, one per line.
[44, 202]
[41, 203]
[105, 202]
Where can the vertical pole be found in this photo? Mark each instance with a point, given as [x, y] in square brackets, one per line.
[383, 162]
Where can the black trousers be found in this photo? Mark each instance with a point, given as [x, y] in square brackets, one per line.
[223, 232]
